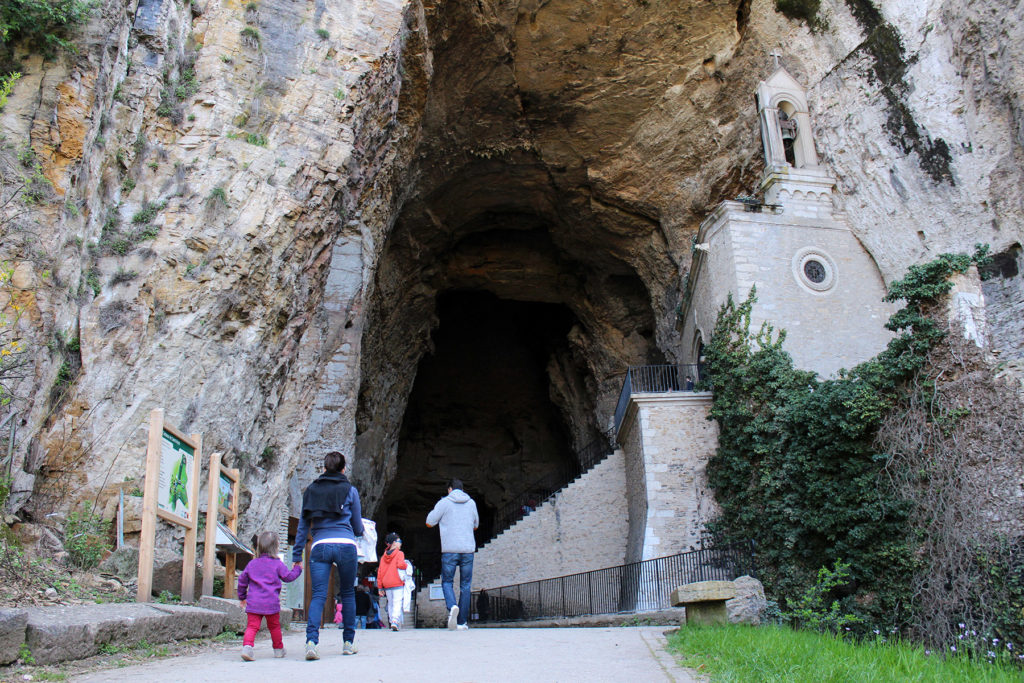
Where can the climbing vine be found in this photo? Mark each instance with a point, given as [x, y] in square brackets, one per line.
[799, 467]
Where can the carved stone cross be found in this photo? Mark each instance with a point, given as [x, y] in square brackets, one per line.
[775, 54]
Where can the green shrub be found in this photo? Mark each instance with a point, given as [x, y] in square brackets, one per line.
[250, 37]
[86, 537]
[323, 33]
[45, 24]
[6, 85]
[813, 610]
[218, 195]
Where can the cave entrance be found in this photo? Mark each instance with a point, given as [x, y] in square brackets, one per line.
[480, 410]
[514, 287]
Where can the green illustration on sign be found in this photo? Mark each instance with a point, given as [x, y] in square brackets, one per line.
[176, 460]
[179, 484]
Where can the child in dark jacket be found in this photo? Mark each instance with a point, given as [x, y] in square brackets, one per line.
[259, 591]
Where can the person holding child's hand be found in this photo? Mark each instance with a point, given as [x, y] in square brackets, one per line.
[259, 593]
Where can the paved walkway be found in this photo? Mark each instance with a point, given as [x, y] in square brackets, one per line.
[533, 655]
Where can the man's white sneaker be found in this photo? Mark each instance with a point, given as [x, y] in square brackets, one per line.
[462, 627]
[453, 617]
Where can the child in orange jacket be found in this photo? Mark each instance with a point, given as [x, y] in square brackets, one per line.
[388, 580]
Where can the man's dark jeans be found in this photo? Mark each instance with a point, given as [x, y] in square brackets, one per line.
[323, 557]
[464, 561]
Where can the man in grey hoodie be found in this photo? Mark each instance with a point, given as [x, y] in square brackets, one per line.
[457, 515]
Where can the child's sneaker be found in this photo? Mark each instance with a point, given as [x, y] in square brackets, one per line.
[247, 654]
[462, 627]
[349, 649]
[311, 653]
[278, 654]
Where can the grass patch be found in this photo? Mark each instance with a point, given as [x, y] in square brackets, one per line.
[778, 653]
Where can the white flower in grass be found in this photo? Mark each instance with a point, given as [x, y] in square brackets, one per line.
[953, 648]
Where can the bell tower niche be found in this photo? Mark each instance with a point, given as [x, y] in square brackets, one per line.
[791, 162]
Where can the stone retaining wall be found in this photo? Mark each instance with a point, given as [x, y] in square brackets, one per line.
[668, 441]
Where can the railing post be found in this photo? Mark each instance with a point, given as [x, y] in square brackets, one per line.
[590, 591]
[657, 579]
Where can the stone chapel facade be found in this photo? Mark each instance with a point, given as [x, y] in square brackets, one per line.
[813, 277]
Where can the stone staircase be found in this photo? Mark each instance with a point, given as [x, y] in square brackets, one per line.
[583, 526]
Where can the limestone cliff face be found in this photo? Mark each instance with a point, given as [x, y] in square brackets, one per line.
[255, 206]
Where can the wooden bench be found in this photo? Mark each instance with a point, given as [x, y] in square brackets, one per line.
[704, 601]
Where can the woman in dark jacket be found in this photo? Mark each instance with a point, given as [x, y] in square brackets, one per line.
[332, 514]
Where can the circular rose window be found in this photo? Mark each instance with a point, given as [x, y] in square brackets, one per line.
[814, 270]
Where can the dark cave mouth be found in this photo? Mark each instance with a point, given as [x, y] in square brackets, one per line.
[481, 409]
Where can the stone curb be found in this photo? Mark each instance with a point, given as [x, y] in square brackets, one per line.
[59, 633]
[236, 616]
[13, 623]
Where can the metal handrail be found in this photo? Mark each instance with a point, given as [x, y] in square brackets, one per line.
[547, 486]
[641, 379]
[634, 587]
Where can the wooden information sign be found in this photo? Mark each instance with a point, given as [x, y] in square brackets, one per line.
[222, 498]
[173, 463]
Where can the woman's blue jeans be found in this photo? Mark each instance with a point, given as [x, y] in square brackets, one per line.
[464, 561]
[324, 556]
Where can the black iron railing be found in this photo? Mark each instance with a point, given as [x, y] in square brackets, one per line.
[642, 379]
[636, 587]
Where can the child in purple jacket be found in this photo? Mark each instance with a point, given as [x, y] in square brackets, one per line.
[259, 591]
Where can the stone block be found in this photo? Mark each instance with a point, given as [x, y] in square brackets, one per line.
[13, 623]
[703, 591]
[236, 616]
[64, 632]
[704, 601]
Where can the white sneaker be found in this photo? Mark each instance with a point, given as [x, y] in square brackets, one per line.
[462, 627]
[453, 617]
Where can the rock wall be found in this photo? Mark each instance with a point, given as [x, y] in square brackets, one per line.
[1004, 305]
[254, 207]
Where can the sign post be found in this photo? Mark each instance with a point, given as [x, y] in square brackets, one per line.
[172, 491]
[222, 498]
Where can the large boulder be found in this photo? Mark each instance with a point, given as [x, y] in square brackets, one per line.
[39, 540]
[167, 567]
[13, 623]
[748, 606]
